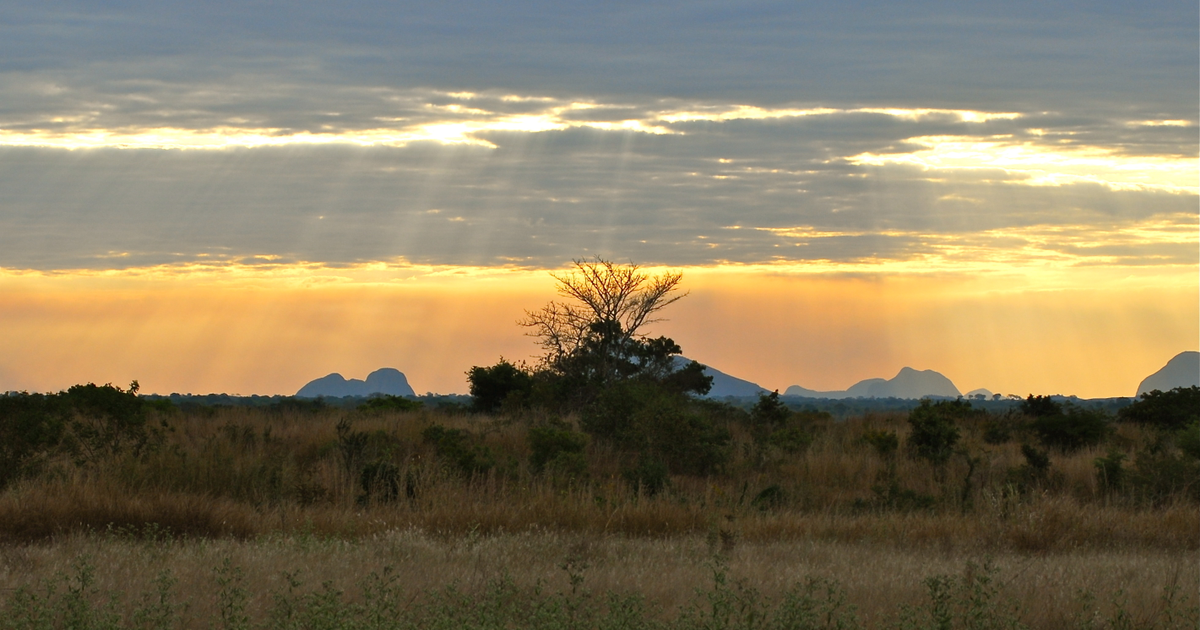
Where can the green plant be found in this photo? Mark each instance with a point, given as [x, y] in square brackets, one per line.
[650, 475]
[1171, 410]
[491, 386]
[455, 447]
[556, 443]
[1071, 430]
[934, 432]
[1110, 471]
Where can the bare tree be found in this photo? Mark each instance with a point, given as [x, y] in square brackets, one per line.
[609, 305]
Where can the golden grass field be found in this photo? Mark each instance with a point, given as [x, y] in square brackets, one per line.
[273, 493]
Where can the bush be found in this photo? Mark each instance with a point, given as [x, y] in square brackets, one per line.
[385, 402]
[456, 448]
[885, 443]
[934, 432]
[650, 475]
[556, 443]
[1172, 410]
[31, 428]
[644, 417]
[491, 386]
[1073, 430]
[380, 481]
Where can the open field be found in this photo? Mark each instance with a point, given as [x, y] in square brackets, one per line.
[272, 493]
[673, 577]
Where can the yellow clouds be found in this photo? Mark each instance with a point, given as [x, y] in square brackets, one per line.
[1046, 163]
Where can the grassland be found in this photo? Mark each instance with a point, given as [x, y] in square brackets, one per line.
[226, 504]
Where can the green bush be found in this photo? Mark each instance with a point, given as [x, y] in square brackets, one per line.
[390, 403]
[1171, 410]
[491, 386]
[644, 417]
[456, 448]
[1072, 430]
[934, 430]
[556, 443]
[650, 475]
[885, 443]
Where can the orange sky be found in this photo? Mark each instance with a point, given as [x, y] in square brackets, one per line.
[1088, 332]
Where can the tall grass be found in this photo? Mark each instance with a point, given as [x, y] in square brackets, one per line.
[410, 579]
[242, 473]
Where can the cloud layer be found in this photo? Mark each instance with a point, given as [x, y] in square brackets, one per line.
[926, 136]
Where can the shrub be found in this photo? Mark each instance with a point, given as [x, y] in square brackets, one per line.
[644, 417]
[934, 432]
[379, 481]
[1188, 440]
[385, 402]
[455, 447]
[491, 386]
[769, 411]
[1160, 474]
[1171, 410]
[1110, 471]
[1073, 430]
[885, 443]
[650, 475]
[790, 440]
[31, 428]
[556, 442]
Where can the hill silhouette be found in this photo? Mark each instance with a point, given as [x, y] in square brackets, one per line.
[1183, 370]
[908, 383]
[388, 381]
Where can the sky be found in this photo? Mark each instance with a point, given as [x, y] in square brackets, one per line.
[243, 196]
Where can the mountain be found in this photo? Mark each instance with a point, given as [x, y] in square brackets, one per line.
[908, 383]
[725, 385]
[383, 381]
[1181, 371]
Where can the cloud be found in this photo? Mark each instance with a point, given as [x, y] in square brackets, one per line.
[469, 133]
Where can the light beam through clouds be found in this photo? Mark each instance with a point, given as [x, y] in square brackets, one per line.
[235, 200]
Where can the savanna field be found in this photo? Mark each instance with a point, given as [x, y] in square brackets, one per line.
[120, 511]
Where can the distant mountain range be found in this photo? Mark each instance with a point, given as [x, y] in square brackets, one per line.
[383, 381]
[908, 383]
[1181, 371]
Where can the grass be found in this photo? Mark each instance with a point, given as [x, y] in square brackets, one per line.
[244, 473]
[258, 518]
[677, 582]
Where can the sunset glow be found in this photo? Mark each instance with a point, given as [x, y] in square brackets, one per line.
[230, 202]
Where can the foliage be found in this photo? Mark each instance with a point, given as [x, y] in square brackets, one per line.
[885, 443]
[491, 386]
[1040, 407]
[455, 447]
[555, 446]
[649, 475]
[1110, 471]
[595, 339]
[934, 432]
[643, 417]
[1171, 410]
[90, 422]
[769, 411]
[385, 402]
[1188, 440]
[1071, 429]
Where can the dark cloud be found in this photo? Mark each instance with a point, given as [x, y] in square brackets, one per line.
[1084, 77]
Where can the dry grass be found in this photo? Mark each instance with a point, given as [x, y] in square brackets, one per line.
[668, 572]
[243, 473]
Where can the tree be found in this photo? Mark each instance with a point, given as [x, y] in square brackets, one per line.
[595, 338]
